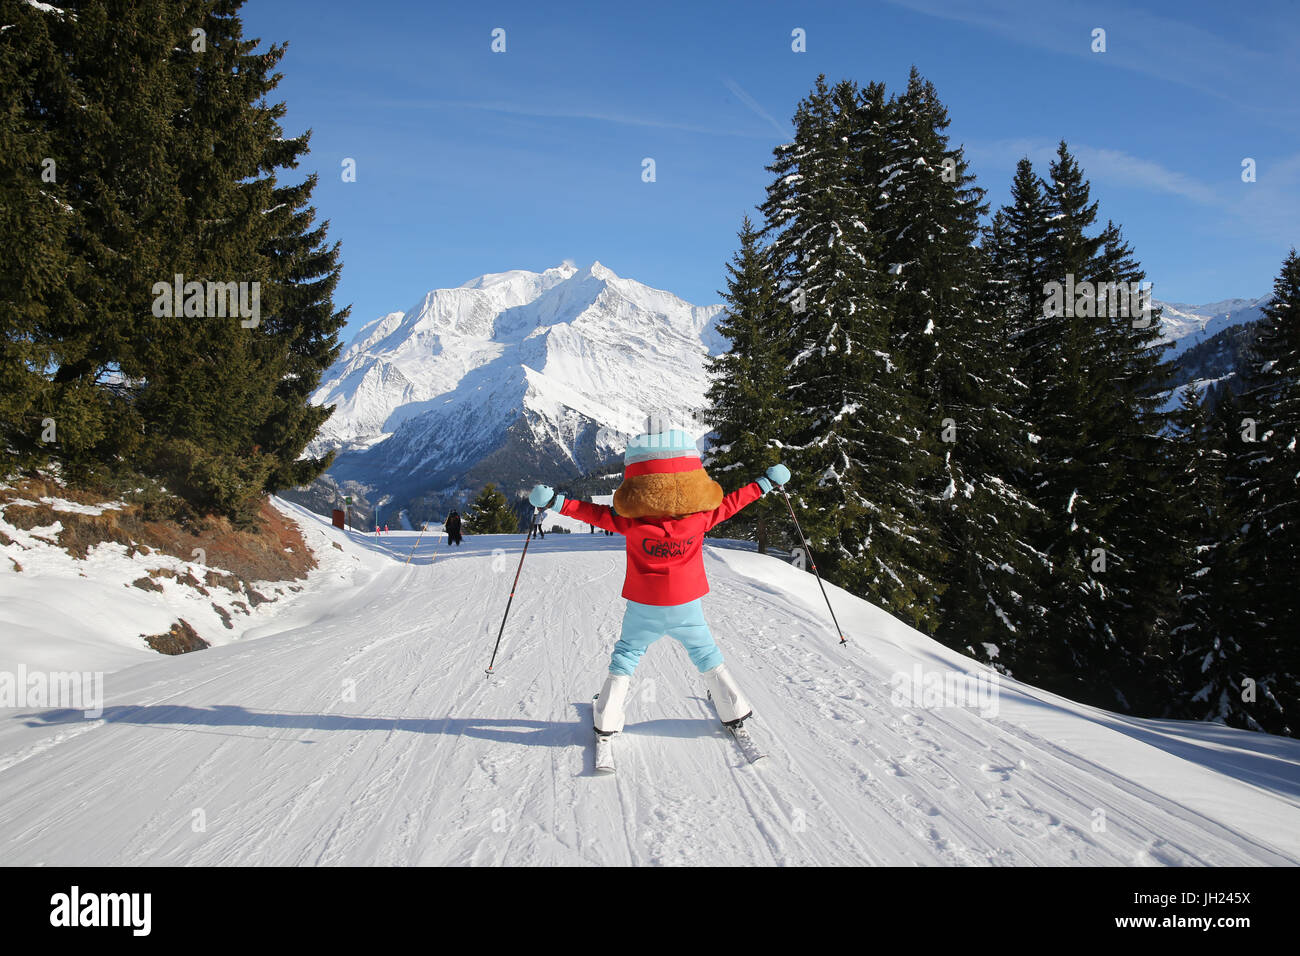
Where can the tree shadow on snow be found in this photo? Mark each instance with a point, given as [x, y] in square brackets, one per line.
[534, 733]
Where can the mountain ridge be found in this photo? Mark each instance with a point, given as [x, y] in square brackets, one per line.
[518, 376]
[512, 374]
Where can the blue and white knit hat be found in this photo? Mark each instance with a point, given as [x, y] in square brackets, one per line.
[660, 451]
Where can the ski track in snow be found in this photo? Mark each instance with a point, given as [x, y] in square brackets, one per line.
[372, 735]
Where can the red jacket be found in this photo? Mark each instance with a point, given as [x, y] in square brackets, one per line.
[665, 556]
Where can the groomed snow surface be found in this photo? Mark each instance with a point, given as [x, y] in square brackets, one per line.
[358, 727]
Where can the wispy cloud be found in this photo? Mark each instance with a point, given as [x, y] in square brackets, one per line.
[754, 106]
[1119, 166]
[1172, 50]
[560, 112]
[1268, 208]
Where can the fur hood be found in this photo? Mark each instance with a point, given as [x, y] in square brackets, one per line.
[663, 477]
[670, 495]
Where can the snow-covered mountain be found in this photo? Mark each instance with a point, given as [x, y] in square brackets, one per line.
[513, 374]
[1187, 326]
[520, 376]
[1210, 343]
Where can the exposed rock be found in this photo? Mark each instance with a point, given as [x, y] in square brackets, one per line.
[181, 639]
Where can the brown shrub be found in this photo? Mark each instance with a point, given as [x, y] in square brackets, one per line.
[28, 517]
[275, 551]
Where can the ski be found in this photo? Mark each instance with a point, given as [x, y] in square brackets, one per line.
[740, 734]
[604, 748]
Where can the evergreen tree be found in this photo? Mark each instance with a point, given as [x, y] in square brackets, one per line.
[1208, 659]
[103, 115]
[1098, 476]
[491, 514]
[33, 230]
[948, 330]
[854, 430]
[1143, 585]
[168, 153]
[233, 426]
[746, 394]
[1017, 247]
[1264, 482]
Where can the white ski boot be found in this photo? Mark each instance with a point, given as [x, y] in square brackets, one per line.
[609, 708]
[733, 708]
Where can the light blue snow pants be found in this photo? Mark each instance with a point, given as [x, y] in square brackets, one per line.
[643, 624]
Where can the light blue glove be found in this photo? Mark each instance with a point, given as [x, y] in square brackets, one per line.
[778, 474]
[541, 496]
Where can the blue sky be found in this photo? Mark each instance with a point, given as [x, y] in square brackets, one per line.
[469, 161]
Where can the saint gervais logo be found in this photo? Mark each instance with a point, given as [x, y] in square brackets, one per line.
[103, 909]
[208, 300]
[668, 547]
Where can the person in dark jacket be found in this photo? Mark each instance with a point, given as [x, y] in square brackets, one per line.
[453, 528]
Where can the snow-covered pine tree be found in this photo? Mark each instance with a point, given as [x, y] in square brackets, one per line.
[855, 435]
[1016, 243]
[1207, 657]
[746, 394]
[1143, 585]
[1264, 482]
[948, 331]
[1017, 247]
[1074, 491]
[1089, 380]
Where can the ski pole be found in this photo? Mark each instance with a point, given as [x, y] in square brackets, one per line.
[522, 555]
[435, 542]
[813, 562]
[417, 544]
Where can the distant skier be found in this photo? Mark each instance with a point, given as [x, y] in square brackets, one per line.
[538, 518]
[453, 528]
[664, 506]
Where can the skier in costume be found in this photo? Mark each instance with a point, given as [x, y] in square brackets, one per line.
[663, 508]
[452, 526]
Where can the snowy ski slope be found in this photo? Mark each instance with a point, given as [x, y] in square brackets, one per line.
[360, 728]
